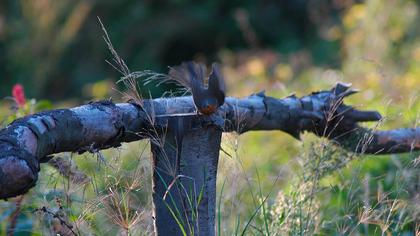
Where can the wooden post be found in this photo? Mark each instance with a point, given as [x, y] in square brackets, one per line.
[184, 181]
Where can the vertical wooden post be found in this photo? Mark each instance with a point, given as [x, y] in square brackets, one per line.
[184, 185]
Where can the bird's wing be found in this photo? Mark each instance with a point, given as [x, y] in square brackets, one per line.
[217, 84]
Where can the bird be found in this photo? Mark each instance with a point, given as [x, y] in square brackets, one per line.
[208, 93]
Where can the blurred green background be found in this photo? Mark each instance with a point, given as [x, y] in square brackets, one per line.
[56, 47]
[56, 51]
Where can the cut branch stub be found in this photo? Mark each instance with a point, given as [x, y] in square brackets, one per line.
[19, 165]
[18, 172]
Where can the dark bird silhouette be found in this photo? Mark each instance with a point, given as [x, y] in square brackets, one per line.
[208, 94]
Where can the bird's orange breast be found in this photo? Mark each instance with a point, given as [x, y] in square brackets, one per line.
[208, 110]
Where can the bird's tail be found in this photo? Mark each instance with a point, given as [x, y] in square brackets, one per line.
[190, 75]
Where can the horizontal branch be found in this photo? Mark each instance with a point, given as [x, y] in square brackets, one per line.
[369, 141]
[29, 141]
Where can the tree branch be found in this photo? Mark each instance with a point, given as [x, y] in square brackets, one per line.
[28, 141]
